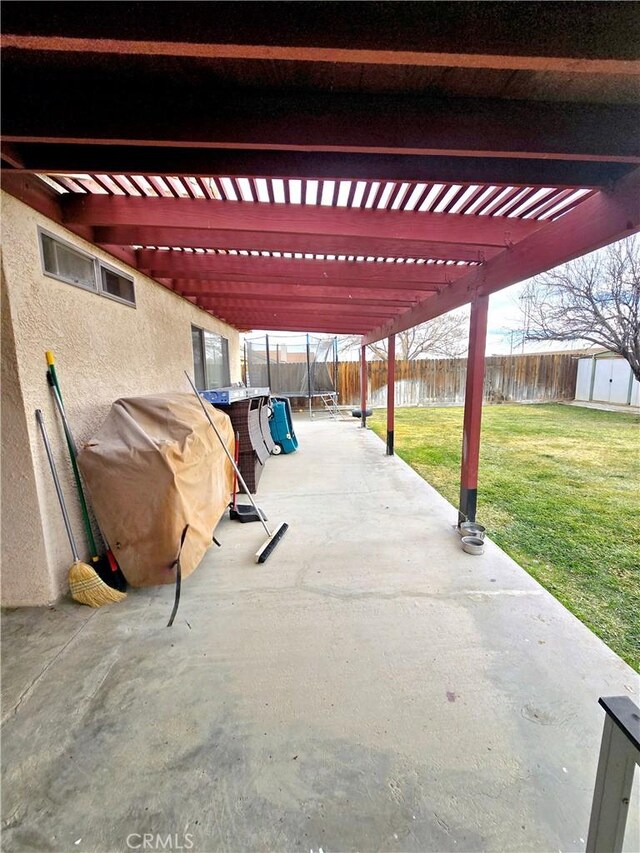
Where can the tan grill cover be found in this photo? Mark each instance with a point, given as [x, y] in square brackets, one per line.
[155, 466]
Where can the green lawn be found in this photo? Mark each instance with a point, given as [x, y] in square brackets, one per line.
[559, 490]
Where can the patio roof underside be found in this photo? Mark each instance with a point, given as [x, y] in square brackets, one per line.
[327, 171]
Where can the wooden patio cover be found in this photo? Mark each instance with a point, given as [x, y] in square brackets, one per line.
[328, 167]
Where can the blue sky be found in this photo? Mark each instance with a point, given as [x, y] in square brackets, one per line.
[504, 316]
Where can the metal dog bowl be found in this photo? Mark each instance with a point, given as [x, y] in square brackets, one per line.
[472, 528]
[473, 545]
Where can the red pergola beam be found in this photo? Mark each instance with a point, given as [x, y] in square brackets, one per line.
[148, 159]
[188, 265]
[279, 319]
[11, 156]
[348, 286]
[601, 219]
[367, 318]
[308, 326]
[243, 300]
[268, 290]
[278, 220]
[343, 55]
[303, 322]
[341, 122]
[383, 33]
[601, 40]
[202, 238]
[345, 309]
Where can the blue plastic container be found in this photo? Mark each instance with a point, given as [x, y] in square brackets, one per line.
[281, 425]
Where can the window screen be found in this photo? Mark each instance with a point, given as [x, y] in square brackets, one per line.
[117, 285]
[64, 262]
[216, 356]
[210, 359]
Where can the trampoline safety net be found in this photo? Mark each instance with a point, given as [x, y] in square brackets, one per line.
[302, 366]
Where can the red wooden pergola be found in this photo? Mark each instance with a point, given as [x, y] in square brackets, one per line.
[331, 167]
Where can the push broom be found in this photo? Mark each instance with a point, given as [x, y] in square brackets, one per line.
[263, 553]
[85, 584]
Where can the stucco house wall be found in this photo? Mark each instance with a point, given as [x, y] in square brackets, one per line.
[104, 350]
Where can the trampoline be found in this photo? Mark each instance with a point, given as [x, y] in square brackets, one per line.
[303, 367]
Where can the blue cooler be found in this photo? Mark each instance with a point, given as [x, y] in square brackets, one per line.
[281, 425]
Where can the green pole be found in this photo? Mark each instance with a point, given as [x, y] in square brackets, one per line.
[52, 378]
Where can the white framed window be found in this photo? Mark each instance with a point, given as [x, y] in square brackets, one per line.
[65, 262]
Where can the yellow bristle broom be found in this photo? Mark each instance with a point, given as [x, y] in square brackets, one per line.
[85, 584]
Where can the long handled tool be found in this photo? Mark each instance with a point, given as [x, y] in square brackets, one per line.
[108, 568]
[263, 553]
[85, 584]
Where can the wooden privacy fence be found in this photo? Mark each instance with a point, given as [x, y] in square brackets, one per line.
[517, 378]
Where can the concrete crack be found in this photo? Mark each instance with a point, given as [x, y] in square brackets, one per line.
[333, 592]
[34, 683]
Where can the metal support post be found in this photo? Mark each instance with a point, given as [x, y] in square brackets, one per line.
[246, 366]
[619, 753]
[266, 346]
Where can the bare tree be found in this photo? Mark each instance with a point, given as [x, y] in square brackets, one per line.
[445, 336]
[595, 298]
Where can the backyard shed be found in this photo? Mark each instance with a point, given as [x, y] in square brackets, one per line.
[606, 378]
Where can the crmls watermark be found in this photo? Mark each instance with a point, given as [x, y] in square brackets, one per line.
[159, 841]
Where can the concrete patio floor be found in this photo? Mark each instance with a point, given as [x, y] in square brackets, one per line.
[370, 688]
